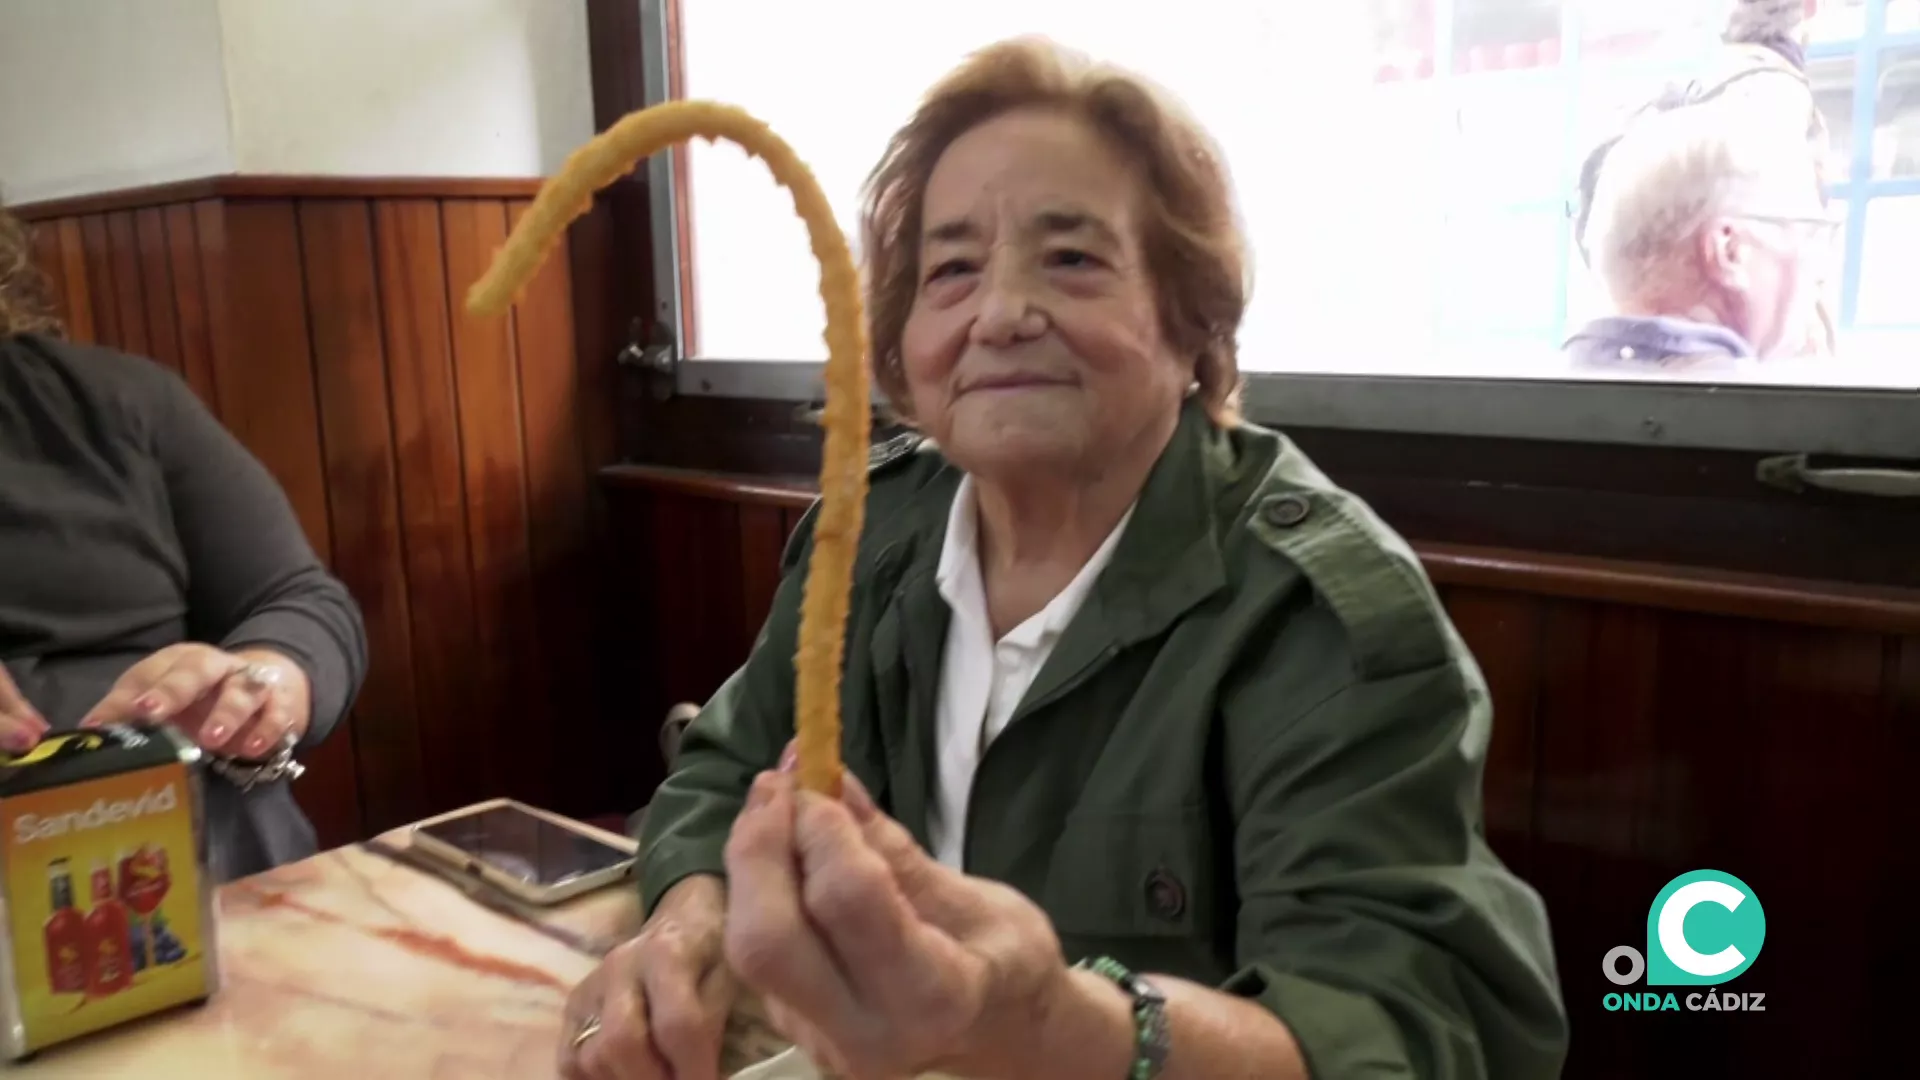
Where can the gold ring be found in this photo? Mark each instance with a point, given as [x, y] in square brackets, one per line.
[588, 1029]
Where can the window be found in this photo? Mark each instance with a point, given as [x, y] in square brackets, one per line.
[1417, 156]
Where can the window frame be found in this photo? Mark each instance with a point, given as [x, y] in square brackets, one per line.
[1861, 188]
[1864, 423]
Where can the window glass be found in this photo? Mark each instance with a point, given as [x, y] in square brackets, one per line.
[1896, 114]
[1409, 171]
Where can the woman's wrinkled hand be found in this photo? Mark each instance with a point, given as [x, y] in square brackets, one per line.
[21, 725]
[660, 1001]
[207, 694]
[877, 960]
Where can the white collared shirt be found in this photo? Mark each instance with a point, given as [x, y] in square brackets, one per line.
[983, 681]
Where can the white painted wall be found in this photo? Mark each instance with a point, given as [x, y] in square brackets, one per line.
[104, 94]
[97, 95]
[407, 87]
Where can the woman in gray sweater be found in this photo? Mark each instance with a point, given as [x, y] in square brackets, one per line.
[153, 572]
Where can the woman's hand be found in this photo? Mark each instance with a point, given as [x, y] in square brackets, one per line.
[875, 958]
[21, 726]
[660, 1001]
[240, 704]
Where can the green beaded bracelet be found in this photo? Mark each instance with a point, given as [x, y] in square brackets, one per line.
[1151, 1035]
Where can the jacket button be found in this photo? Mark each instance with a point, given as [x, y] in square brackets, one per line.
[1288, 511]
[1166, 897]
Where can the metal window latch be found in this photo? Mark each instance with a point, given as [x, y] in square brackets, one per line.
[1791, 472]
[650, 351]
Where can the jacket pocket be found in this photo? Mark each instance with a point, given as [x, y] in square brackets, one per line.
[1131, 874]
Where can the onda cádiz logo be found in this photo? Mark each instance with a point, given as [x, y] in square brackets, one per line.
[1703, 929]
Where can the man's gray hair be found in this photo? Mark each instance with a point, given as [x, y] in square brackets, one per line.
[1671, 174]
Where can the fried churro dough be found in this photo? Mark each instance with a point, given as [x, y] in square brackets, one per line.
[847, 418]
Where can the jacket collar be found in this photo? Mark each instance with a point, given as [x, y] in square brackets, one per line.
[1168, 558]
[1167, 561]
[1653, 341]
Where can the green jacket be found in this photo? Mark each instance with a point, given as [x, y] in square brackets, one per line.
[1253, 760]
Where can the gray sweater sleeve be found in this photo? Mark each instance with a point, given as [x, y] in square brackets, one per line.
[253, 579]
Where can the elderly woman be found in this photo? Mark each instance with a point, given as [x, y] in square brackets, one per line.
[151, 571]
[1165, 760]
[1706, 220]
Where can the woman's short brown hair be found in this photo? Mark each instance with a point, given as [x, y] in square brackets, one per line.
[1194, 248]
[24, 305]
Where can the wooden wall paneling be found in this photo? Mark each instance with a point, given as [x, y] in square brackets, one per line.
[1504, 632]
[71, 271]
[1796, 785]
[563, 552]
[263, 356]
[439, 463]
[790, 520]
[236, 186]
[1674, 742]
[184, 271]
[46, 258]
[696, 603]
[433, 504]
[1903, 705]
[100, 284]
[160, 307]
[263, 365]
[123, 247]
[209, 227]
[678, 561]
[763, 536]
[1599, 761]
[492, 455]
[632, 668]
[1892, 959]
[356, 424]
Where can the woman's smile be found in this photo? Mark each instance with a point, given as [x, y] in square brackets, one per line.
[1015, 382]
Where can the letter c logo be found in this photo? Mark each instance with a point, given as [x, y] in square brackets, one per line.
[1673, 932]
[1728, 927]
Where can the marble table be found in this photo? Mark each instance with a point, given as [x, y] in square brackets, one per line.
[351, 964]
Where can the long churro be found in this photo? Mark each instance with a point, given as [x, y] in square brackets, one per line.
[847, 417]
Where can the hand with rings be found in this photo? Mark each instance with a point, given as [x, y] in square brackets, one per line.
[240, 704]
[657, 1007]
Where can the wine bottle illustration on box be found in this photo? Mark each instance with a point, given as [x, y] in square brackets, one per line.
[123, 932]
[110, 966]
[65, 934]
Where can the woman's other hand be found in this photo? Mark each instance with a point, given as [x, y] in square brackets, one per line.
[240, 704]
[21, 726]
[660, 1001]
[876, 959]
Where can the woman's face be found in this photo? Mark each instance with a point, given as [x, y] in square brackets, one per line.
[1034, 342]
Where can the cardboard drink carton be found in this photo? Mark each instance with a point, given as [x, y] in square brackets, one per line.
[105, 899]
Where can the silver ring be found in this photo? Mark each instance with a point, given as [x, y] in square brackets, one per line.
[259, 678]
[588, 1029]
